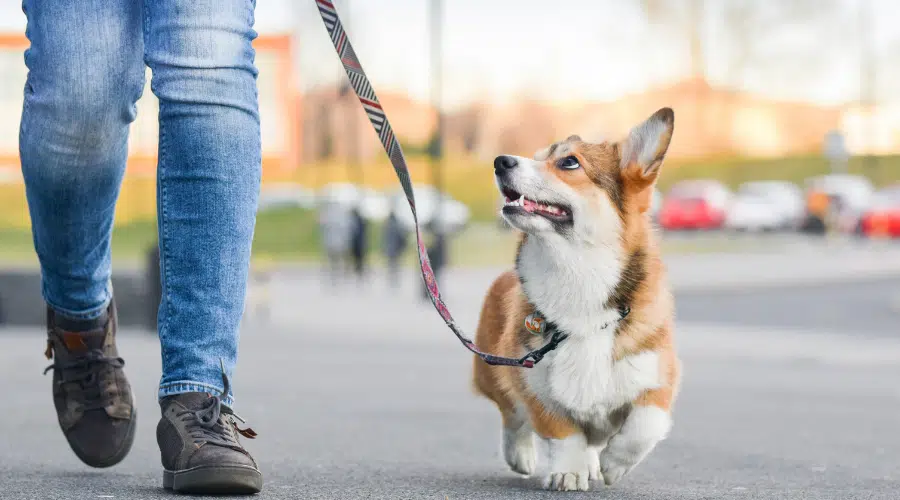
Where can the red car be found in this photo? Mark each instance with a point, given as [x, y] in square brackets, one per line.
[882, 219]
[694, 205]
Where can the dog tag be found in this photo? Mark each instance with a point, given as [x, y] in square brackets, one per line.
[535, 324]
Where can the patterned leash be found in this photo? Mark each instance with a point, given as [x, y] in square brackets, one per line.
[363, 88]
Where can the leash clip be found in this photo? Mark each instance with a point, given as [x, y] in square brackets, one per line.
[538, 354]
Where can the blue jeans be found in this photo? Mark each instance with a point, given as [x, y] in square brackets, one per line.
[85, 72]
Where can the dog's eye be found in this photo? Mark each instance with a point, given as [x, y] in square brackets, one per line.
[568, 163]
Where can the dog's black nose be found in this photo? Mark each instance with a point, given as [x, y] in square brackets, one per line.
[504, 162]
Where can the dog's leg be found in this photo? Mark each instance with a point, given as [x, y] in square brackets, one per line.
[518, 442]
[518, 435]
[569, 459]
[645, 426]
[598, 433]
[568, 447]
[594, 463]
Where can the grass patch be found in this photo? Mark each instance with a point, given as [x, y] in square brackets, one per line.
[292, 235]
[284, 234]
[287, 234]
[471, 181]
[882, 170]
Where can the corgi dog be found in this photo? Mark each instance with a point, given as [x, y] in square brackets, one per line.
[587, 268]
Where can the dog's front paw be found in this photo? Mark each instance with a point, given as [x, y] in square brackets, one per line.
[645, 426]
[522, 459]
[594, 465]
[567, 481]
[613, 468]
[519, 451]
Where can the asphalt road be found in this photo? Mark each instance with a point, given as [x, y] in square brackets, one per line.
[362, 393]
[863, 307]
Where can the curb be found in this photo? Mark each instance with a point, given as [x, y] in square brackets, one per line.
[21, 303]
[725, 284]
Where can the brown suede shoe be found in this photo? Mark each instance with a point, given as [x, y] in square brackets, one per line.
[199, 447]
[91, 394]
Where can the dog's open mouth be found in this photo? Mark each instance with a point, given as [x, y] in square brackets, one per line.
[517, 203]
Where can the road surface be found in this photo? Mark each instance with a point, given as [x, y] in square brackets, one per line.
[362, 394]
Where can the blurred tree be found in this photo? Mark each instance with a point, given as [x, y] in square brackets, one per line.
[779, 46]
[687, 23]
[434, 148]
[326, 135]
[783, 35]
[776, 37]
[469, 122]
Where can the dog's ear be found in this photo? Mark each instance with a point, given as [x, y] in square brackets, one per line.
[643, 151]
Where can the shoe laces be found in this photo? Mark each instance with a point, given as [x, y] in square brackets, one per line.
[84, 372]
[213, 422]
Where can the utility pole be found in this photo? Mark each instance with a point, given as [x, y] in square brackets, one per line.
[355, 172]
[867, 98]
[698, 64]
[436, 152]
[695, 35]
[438, 251]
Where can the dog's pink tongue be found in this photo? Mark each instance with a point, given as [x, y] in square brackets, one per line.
[529, 205]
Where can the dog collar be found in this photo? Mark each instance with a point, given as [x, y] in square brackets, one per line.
[538, 324]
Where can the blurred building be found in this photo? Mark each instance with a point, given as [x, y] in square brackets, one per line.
[872, 130]
[711, 121]
[327, 113]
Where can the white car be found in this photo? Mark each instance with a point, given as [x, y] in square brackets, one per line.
[714, 192]
[765, 206]
[286, 195]
[454, 215]
[373, 205]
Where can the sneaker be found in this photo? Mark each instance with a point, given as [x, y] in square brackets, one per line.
[200, 451]
[90, 392]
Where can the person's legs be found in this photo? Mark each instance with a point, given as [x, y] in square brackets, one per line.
[85, 73]
[208, 182]
[209, 170]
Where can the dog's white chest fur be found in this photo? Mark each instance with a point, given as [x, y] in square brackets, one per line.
[581, 378]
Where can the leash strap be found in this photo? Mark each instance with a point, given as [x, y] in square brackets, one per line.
[366, 94]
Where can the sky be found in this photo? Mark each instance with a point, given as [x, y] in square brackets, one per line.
[502, 50]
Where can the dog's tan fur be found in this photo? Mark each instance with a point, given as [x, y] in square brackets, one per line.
[626, 184]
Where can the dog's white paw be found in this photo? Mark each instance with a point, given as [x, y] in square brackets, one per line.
[613, 469]
[594, 465]
[644, 427]
[519, 450]
[567, 481]
[569, 464]
[522, 459]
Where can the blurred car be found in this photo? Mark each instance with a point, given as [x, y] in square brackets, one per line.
[656, 200]
[454, 215]
[286, 195]
[842, 198]
[342, 193]
[883, 216]
[766, 206]
[373, 205]
[695, 204]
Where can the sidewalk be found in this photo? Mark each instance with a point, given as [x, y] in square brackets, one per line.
[20, 302]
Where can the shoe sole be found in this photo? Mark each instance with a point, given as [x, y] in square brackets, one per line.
[118, 456]
[227, 480]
